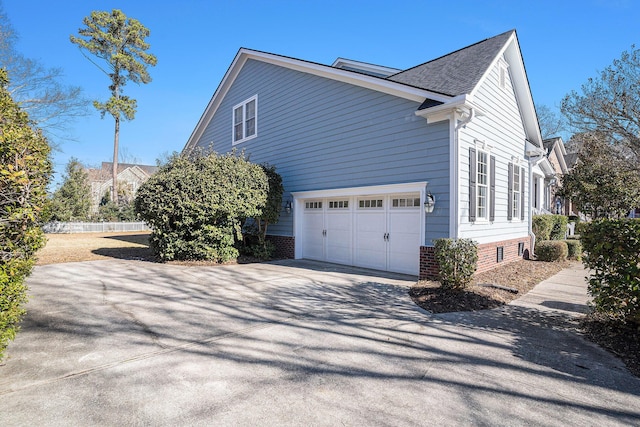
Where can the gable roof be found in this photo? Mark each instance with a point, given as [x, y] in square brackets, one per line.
[448, 82]
[456, 73]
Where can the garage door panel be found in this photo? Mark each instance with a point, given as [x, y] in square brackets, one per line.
[370, 250]
[404, 241]
[338, 237]
[379, 232]
[313, 240]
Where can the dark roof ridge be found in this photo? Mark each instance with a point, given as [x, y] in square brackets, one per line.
[454, 52]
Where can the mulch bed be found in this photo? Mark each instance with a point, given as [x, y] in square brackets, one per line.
[619, 338]
[519, 275]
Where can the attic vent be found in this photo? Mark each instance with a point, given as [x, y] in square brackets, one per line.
[502, 74]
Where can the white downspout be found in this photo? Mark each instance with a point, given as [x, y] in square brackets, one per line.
[455, 190]
[533, 161]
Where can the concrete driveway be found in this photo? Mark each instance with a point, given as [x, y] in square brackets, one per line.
[292, 343]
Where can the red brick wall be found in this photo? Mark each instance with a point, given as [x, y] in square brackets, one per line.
[487, 256]
[285, 246]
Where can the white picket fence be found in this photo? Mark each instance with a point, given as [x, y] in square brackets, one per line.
[93, 227]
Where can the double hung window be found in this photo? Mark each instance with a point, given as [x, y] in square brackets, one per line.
[245, 125]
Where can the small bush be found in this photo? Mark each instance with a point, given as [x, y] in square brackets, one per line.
[612, 250]
[551, 250]
[559, 228]
[457, 260]
[574, 249]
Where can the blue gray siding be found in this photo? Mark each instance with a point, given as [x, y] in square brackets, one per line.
[325, 134]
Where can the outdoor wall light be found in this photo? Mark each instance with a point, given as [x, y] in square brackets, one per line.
[287, 206]
[429, 203]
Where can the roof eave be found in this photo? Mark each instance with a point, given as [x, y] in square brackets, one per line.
[362, 80]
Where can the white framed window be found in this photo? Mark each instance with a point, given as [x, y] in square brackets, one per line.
[516, 193]
[482, 185]
[312, 205]
[245, 120]
[405, 202]
[370, 204]
[338, 204]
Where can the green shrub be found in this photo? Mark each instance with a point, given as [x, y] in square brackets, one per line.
[25, 169]
[457, 261]
[574, 249]
[559, 228]
[551, 250]
[612, 253]
[542, 225]
[194, 205]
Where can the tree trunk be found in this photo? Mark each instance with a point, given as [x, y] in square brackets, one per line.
[114, 171]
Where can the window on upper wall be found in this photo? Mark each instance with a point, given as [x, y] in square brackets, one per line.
[482, 182]
[245, 123]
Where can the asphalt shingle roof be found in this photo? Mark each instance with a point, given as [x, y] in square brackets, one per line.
[456, 73]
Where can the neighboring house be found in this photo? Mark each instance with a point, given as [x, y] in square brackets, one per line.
[130, 178]
[362, 148]
[562, 162]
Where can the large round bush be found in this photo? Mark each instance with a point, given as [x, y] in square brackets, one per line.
[194, 205]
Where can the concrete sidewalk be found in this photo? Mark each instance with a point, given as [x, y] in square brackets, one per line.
[565, 292]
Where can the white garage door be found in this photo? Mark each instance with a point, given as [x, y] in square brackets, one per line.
[380, 232]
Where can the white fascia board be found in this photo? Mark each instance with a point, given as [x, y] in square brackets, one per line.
[461, 103]
[533, 150]
[547, 168]
[410, 187]
[374, 83]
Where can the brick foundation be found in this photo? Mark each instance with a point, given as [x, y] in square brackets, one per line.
[285, 246]
[487, 256]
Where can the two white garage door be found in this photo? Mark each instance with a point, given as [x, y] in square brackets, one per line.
[381, 232]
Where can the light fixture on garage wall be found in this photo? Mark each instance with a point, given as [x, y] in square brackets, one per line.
[429, 203]
[287, 206]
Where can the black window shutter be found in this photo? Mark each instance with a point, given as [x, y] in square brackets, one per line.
[492, 189]
[522, 193]
[472, 184]
[510, 193]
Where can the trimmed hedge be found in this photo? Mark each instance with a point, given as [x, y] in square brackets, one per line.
[457, 261]
[551, 250]
[542, 225]
[574, 247]
[612, 250]
[549, 227]
[559, 227]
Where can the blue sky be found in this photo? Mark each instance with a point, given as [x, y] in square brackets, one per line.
[563, 44]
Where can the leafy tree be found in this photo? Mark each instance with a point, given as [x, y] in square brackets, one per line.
[120, 42]
[610, 103]
[36, 89]
[72, 201]
[194, 205]
[551, 124]
[605, 182]
[25, 170]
